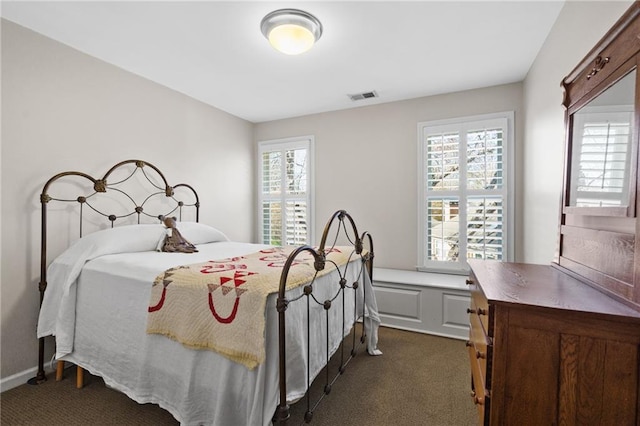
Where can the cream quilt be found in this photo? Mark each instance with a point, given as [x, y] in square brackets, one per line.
[220, 304]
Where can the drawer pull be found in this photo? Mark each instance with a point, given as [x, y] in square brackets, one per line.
[468, 343]
[479, 311]
[481, 355]
[468, 281]
[478, 401]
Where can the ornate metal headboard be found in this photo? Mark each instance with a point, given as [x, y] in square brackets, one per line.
[132, 191]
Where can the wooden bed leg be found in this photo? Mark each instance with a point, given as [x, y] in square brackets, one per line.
[59, 370]
[79, 377]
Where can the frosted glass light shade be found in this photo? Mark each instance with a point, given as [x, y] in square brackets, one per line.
[291, 31]
[291, 39]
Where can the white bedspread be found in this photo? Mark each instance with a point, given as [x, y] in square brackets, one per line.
[100, 320]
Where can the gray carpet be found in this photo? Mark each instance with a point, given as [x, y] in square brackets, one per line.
[419, 380]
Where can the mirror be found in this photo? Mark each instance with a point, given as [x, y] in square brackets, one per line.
[601, 148]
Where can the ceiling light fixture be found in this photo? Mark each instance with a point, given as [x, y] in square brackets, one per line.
[291, 31]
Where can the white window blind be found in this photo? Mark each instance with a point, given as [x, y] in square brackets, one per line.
[285, 191]
[601, 157]
[464, 191]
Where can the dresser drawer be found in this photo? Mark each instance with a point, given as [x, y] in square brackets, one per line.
[481, 349]
[478, 392]
[480, 306]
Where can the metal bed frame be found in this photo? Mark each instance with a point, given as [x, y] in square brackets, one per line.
[136, 208]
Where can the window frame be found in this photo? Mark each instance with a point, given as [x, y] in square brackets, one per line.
[282, 145]
[460, 124]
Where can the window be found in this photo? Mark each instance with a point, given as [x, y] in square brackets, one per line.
[285, 186]
[465, 208]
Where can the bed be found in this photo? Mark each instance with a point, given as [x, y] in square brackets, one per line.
[99, 299]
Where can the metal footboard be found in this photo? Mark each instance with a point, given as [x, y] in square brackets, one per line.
[340, 225]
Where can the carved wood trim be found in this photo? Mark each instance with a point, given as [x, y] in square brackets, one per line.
[617, 46]
[608, 39]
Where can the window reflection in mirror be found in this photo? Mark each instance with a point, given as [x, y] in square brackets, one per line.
[601, 148]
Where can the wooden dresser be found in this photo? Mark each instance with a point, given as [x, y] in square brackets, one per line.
[546, 349]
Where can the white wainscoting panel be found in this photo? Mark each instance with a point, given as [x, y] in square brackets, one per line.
[422, 301]
[397, 302]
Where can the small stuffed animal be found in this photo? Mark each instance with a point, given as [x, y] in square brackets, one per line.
[174, 242]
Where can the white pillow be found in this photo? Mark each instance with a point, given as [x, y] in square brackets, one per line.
[144, 237]
[199, 233]
[120, 239]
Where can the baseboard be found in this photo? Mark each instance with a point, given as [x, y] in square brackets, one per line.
[20, 378]
[430, 332]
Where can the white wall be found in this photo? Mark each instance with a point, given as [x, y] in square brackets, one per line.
[366, 161]
[579, 27]
[63, 110]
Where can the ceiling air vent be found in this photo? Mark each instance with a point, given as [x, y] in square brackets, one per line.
[365, 95]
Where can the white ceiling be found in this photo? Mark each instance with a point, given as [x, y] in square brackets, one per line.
[214, 51]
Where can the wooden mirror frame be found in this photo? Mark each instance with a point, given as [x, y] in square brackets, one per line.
[606, 64]
[601, 245]
[624, 210]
